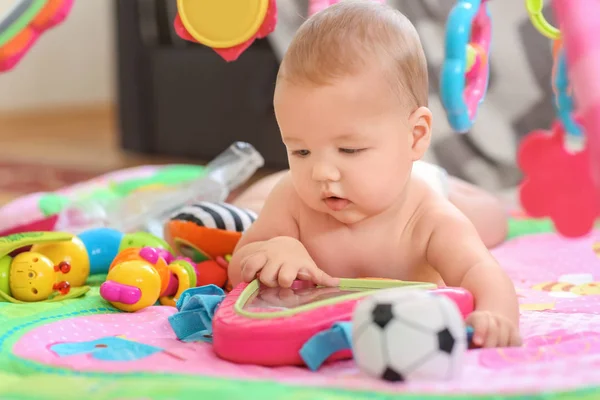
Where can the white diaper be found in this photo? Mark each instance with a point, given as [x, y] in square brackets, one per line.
[434, 175]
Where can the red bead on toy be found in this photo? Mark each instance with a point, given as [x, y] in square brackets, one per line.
[63, 267]
[62, 287]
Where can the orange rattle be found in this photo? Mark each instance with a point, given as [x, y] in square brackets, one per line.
[138, 278]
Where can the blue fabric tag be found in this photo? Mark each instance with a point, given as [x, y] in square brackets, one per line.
[196, 307]
[322, 345]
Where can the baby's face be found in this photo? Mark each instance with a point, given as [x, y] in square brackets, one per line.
[349, 145]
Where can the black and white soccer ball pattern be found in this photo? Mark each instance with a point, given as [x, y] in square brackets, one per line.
[217, 215]
[408, 334]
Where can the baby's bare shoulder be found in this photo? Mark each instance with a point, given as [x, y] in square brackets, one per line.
[278, 216]
[435, 212]
[283, 196]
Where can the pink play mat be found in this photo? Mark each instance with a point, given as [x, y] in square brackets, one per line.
[558, 282]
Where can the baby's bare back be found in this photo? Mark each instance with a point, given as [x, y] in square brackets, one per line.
[376, 247]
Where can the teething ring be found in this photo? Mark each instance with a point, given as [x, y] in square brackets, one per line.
[184, 284]
[462, 90]
[211, 22]
[534, 9]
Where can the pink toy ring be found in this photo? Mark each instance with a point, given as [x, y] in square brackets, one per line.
[462, 89]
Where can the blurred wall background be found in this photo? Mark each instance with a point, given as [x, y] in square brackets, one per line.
[72, 65]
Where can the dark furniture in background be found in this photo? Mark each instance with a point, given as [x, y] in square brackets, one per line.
[182, 99]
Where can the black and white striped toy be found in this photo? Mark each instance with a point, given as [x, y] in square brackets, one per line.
[217, 216]
[206, 230]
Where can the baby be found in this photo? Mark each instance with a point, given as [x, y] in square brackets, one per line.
[351, 104]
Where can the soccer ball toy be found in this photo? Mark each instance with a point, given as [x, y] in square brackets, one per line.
[402, 334]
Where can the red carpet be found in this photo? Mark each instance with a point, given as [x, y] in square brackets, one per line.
[17, 179]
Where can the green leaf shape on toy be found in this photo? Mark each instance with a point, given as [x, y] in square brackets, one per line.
[10, 243]
[73, 293]
[5, 263]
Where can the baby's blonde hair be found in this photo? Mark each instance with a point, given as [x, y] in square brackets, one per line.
[352, 35]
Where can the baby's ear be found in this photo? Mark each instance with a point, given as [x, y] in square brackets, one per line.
[420, 124]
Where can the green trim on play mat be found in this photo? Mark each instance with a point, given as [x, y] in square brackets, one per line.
[159, 387]
[529, 226]
[522, 227]
[24, 380]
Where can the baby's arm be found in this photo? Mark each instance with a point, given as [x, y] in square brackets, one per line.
[271, 247]
[460, 256]
[275, 219]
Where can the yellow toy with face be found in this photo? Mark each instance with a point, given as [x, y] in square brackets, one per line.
[31, 276]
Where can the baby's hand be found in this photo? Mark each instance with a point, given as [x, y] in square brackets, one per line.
[282, 260]
[493, 330]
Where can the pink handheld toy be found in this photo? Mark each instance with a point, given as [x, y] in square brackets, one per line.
[268, 326]
[24, 24]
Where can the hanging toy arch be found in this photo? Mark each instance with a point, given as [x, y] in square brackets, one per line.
[24, 23]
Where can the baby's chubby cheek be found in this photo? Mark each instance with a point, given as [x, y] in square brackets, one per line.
[303, 183]
[380, 189]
